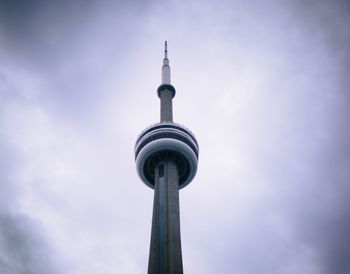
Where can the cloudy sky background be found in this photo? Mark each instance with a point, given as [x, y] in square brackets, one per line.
[264, 85]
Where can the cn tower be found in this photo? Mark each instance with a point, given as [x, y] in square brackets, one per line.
[166, 157]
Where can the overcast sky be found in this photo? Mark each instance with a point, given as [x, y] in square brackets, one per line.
[265, 87]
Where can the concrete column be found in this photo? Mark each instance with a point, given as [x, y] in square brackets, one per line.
[165, 251]
[166, 106]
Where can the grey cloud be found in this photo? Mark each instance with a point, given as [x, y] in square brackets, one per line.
[324, 217]
[23, 249]
[9, 163]
[23, 246]
[68, 46]
[49, 42]
[304, 123]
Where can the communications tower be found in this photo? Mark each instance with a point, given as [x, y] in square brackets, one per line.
[166, 157]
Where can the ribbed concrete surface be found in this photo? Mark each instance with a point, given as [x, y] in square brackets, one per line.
[166, 106]
[165, 250]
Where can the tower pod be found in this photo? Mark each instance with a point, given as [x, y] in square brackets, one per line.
[166, 139]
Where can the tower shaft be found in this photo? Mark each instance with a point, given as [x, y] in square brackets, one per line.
[165, 250]
[166, 106]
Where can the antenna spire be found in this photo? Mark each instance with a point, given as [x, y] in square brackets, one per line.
[166, 50]
[166, 67]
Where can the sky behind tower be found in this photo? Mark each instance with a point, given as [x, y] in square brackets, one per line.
[263, 85]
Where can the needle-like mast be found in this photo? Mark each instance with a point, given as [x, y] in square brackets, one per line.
[166, 68]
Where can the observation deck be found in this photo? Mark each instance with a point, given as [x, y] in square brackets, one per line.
[166, 140]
